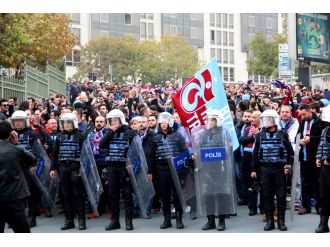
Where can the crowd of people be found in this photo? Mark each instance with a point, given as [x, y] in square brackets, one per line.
[272, 121]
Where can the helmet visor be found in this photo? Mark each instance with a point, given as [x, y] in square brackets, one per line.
[66, 125]
[267, 121]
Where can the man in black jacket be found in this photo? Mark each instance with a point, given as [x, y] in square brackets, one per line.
[13, 186]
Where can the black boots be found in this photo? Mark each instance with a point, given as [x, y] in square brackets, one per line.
[323, 226]
[179, 224]
[222, 223]
[82, 222]
[281, 221]
[129, 222]
[270, 222]
[113, 224]
[167, 221]
[32, 221]
[210, 223]
[68, 224]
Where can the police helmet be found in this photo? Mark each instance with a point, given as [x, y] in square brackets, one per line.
[165, 117]
[69, 117]
[116, 113]
[269, 118]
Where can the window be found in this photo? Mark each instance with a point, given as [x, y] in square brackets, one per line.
[212, 38]
[219, 55]
[212, 20]
[150, 30]
[269, 38]
[231, 57]
[193, 16]
[212, 53]
[76, 32]
[143, 30]
[218, 21]
[269, 22]
[173, 15]
[75, 18]
[224, 18]
[218, 37]
[251, 21]
[143, 16]
[194, 33]
[225, 56]
[225, 38]
[128, 19]
[104, 33]
[173, 30]
[232, 74]
[150, 16]
[104, 17]
[231, 39]
[251, 36]
[231, 21]
[68, 59]
[225, 74]
[76, 57]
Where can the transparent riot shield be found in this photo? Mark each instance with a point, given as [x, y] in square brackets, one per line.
[40, 174]
[138, 170]
[214, 172]
[295, 173]
[90, 176]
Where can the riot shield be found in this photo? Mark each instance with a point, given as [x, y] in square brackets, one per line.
[41, 177]
[90, 176]
[295, 174]
[214, 173]
[138, 170]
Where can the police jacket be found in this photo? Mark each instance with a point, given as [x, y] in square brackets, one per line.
[167, 146]
[13, 159]
[323, 151]
[315, 136]
[116, 144]
[67, 148]
[272, 149]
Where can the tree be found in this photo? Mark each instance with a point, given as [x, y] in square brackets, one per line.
[149, 60]
[264, 59]
[40, 38]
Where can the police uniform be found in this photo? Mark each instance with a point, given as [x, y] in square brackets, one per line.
[66, 159]
[323, 154]
[168, 145]
[271, 153]
[116, 145]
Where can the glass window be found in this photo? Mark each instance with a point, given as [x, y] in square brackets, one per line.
[76, 32]
[194, 33]
[225, 38]
[174, 30]
[212, 53]
[225, 56]
[251, 36]
[193, 16]
[212, 20]
[232, 74]
[269, 22]
[218, 20]
[231, 21]
[104, 33]
[104, 17]
[218, 37]
[224, 20]
[269, 38]
[75, 18]
[231, 56]
[251, 21]
[150, 16]
[173, 15]
[212, 37]
[128, 19]
[143, 30]
[143, 16]
[225, 74]
[219, 55]
[231, 39]
[76, 57]
[69, 58]
[150, 30]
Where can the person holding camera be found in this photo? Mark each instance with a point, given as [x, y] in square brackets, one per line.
[66, 159]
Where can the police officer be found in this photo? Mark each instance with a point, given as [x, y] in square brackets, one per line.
[95, 137]
[323, 161]
[168, 144]
[116, 143]
[66, 159]
[26, 138]
[273, 153]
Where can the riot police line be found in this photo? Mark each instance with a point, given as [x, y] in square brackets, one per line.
[201, 178]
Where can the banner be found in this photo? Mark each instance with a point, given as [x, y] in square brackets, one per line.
[202, 93]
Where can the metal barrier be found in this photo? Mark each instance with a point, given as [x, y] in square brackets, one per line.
[31, 82]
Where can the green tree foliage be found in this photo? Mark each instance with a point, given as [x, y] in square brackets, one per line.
[264, 59]
[35, 37]
[150, 60]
